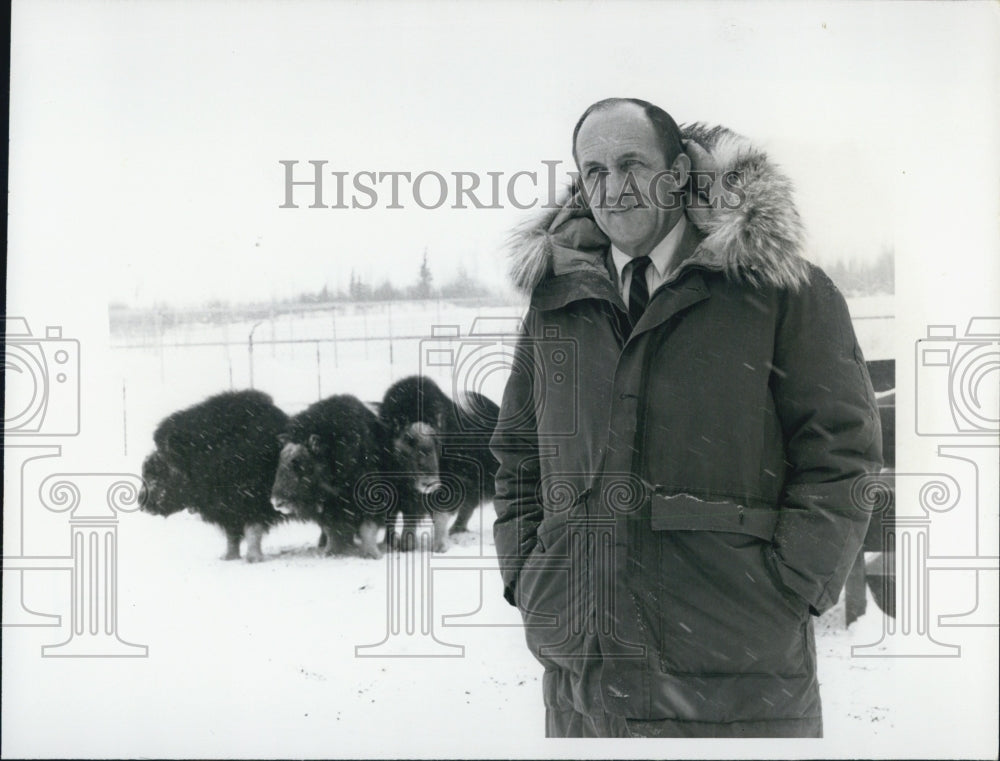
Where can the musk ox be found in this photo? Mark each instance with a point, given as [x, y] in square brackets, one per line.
[414, 412]
[330, 454]
[410, 473]
[218, 459]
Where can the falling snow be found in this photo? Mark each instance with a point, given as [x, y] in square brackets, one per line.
[259, 659]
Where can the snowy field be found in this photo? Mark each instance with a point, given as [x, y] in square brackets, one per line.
[261, 661]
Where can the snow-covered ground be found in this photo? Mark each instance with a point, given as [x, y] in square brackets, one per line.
[260, 660]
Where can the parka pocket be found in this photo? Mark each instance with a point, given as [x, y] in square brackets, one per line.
[548, 601]
[544, 571]
[720, 610]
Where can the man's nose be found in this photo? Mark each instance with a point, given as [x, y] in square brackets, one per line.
[616, 183]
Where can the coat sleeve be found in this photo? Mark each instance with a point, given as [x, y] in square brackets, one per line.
[515, 446]
[830, 422]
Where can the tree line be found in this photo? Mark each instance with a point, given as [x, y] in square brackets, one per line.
[855, 277]
[460, 285]
[162, 316]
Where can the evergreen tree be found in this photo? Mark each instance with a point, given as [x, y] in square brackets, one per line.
[424, 288]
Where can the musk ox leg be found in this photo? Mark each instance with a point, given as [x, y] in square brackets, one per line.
[254, 533]
[440, 521]
[336, 540]
[391, 537]
[322, 540]
[465, 512]
[369, 539]
[408, 534]
[233, 537]
[330, 545]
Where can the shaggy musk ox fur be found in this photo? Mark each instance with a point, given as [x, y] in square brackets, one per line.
[165, 490]
[331, 454]
[416, 414]
[218, 458]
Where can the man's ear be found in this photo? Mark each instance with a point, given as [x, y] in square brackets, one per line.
[680, 169]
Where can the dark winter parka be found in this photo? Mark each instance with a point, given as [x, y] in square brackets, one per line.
[675, 497]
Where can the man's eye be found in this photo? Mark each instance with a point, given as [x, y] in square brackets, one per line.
[594, 171]
[629, 164]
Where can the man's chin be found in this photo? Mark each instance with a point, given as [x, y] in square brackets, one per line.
[628, 244]
[624, 234]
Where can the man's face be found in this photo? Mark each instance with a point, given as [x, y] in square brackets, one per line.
[636, 211]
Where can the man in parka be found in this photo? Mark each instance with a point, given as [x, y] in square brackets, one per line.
[687, 412]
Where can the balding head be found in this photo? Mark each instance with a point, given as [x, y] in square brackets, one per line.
[668, 134]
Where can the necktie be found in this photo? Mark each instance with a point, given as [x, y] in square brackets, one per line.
[638, 291]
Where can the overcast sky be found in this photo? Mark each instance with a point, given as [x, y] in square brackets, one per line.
[146, 136]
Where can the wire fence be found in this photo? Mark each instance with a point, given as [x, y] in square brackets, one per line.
[301, 356]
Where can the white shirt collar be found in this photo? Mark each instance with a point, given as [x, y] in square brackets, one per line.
[660, 256]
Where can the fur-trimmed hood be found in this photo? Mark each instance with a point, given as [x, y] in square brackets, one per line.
[757, 241]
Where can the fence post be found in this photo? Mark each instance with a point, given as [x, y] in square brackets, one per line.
[250, 348]
[319, 374]
[389, 313]
[333, 317]
[124, 420]
[159, 342]
[274, 328]
[364, 318]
